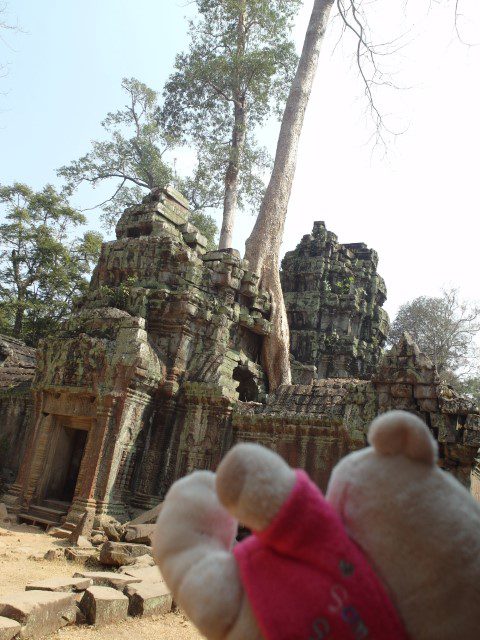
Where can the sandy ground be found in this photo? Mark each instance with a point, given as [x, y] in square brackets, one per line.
[21, 560]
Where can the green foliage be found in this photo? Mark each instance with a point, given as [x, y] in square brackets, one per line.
[206, 225]
[343, 286]
[41, 268]
[331, 340]
[469, 387]
[240, 57]
[133, 159]
[119, 296]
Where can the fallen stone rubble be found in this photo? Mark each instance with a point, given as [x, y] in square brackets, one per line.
[132, 587]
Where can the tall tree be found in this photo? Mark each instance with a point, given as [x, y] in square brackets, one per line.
[41, 269]
[445, 328]
[262, 248]
[235, 74]
[133, 159]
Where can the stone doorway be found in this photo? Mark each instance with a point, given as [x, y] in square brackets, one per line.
[65, 460]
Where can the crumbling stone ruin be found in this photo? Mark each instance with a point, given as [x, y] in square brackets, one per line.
[313, 426]
[334, 299]
[157, 372]
[138, 387]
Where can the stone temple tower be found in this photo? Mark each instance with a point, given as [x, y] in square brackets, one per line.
[334, 299]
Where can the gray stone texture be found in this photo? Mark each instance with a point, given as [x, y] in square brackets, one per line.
[81, 555]
[83, 530]
[17, 369]
[334, 297]
[146, 599]
[140, 533]
[144, 574]
[122, 553]
[407, 379]
[141, 562]
[146, 517]
[40, 613]
[103, 605]
[60, 584]
[108, 578]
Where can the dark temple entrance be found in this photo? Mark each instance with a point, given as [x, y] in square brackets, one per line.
[65, 463]
[247, 388]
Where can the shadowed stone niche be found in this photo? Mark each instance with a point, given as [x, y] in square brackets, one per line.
[247, 388]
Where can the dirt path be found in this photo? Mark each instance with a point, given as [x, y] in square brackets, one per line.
[21, 560]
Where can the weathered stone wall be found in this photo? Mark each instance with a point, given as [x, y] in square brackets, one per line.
[17, 368]
[98, 373]
[314, 425]
[311, 426]
[407, 379]
[334, 299]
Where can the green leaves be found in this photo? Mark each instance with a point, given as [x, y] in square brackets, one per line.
[133, 159]
[240, 54]
[132, 154]
[41, 269]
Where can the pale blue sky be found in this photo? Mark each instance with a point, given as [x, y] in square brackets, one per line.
[418, 207]
[65, 74]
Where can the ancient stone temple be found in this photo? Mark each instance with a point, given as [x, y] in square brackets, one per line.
[157, 372]
[334, 299]
[138, 387]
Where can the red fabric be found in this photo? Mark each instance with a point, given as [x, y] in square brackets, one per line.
[307, 580]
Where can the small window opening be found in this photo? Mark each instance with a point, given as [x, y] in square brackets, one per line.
[247, 389]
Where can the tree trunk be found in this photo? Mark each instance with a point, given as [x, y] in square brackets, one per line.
[230, 202]
[262, 248]
[19, 312]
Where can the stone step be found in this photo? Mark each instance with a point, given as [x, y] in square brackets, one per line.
[49, 516]
[50, 511]
[34, 519]
[59, 505]
[108, 578]
[145, 574]
[60, 584]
